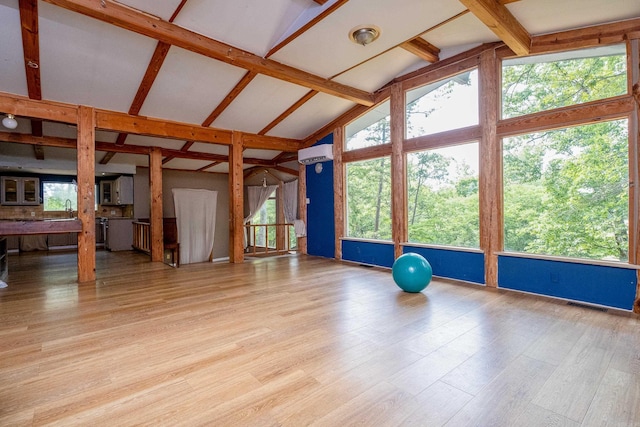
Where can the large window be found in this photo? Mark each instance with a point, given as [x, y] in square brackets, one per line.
[370, 129]
[59, 196]
[369, 199]
[444, 105]
[566, 192]
[442, 196]
[540, 83]
[266, 236]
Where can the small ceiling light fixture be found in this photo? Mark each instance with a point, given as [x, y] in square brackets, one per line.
[10, 122]
[364, 34]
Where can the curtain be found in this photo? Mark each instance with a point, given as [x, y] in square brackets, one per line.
[290, 190]
[257, 196]
[196, 223]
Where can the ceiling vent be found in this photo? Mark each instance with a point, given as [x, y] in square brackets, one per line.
[315, 154]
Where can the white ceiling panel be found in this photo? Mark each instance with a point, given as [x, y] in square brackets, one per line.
[374, 74]
[12, 75]
[319, 111]
[400, 21]
[186, 164]
[64, 130]
[250, 25]
[260, 154]
[189, 87]
[461, 31]
[544, 16]
[263, 100]
[221, 168]
[85, 61]
[131, 159]
[210, 148]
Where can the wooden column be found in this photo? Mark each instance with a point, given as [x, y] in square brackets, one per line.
[155, 190]
[280, 232]
[398, 170]
[302, 205]
[86, 194]
[236, 200]
[633, 63]
[338, 189]
[491, 214]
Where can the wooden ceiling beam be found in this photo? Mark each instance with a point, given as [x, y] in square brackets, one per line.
[231, 96]
[31, 46]
[264, 142]
[320, 2]
[499, 20]
[109, 147]
[422, 49]
[167, 32]
[299, 103]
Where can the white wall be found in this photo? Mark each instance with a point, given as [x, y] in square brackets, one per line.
[182, 179]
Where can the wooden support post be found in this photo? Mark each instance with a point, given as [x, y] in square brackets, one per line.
[302, 205]
[491, 214]
[633, 64]
[86, 194]
[398, 170]
[338, 189]
[236, 203]
[281, 244]
[155, 191]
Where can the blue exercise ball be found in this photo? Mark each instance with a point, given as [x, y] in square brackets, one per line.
[411, 272]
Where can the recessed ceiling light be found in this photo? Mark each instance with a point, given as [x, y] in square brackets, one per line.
[364, 34]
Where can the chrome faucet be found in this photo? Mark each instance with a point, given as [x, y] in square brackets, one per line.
[68, 208]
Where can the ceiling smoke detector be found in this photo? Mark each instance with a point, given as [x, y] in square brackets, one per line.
[364, 34]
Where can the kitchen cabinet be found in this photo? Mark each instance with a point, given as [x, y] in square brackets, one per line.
[20, 191]
[117, 192]
[119, 234]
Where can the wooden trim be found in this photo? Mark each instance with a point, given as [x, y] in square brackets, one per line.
[422, 49]
[367, 153]
[302, 206]
[593, 36]
[134, 20]
[633, 75]
[589, 112]
[499, 20]
[490, 179]
[441, 73]
[47, 110]
[299, 103]
[350, 115]
[31, 46]
[398, 170]
[86, 195]
[443, 139]
[339, 202]
[156, 214]
[264, 142]
[111, 120]
[236, 201]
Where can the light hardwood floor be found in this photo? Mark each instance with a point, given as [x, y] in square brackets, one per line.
[297, 341]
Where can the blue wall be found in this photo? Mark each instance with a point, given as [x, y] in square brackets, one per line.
[453, 264]
[320, 221]
[372, 253]
[603, 285]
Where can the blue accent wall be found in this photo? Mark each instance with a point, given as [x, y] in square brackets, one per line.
[453, 264]
[603, 285]
[320, 220]
[372, 253]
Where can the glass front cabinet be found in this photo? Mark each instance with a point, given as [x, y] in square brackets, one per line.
[20, 191]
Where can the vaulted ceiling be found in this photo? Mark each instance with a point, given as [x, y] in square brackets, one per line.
[277, 68]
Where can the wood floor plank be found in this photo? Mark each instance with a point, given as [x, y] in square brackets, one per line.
[299, 340]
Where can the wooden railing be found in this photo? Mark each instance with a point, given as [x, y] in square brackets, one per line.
[269, 239]
[142, 236]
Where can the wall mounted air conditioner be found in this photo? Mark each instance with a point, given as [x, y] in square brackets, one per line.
[315, 154]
